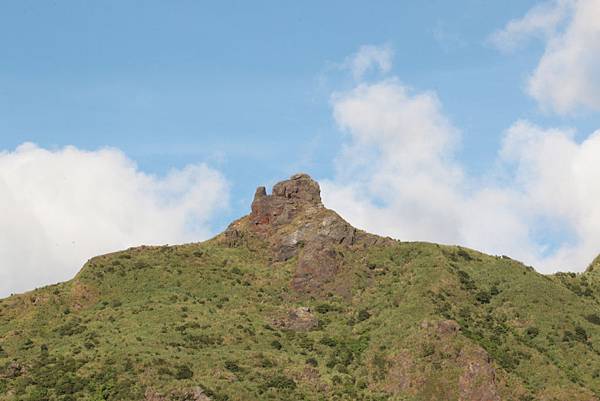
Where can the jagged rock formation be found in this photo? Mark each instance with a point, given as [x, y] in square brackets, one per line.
[294, 223]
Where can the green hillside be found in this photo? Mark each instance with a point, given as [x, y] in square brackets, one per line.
[292, 303]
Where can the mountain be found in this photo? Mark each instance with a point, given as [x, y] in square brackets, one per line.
[293, 303]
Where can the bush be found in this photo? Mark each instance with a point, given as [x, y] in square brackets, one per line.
[465, 280]
[483, 297]
[594, 318]
[232, 366]
[140, 264]
[276, 344]
[71, 328]
[464, 254]
[581, 334]
[324, 308]
[312, 362]
[329, 341]
[427, 349]
[183, 372]
[532, 332]
[280, 382]
[363, 315]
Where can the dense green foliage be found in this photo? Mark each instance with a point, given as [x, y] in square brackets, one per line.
[206, 315]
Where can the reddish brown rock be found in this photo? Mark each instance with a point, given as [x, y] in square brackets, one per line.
[478, 380]
[295, 224]
[298, 319]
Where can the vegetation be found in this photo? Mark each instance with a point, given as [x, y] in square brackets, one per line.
[399, 322]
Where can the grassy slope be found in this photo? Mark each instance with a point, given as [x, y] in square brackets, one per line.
[173, 318]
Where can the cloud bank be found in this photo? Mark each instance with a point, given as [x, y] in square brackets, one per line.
[398, 175]
[63, 206]
[567, 76]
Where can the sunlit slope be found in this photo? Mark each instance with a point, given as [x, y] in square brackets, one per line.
[303, 307]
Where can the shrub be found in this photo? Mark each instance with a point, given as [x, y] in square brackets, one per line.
[465, 280]
[532, 332]
[483, 297]
[183, 372]
[140, 264]
[363, 315]
[428, 349]
[329, 341]
[276, 344]
[280, 382]
[232, 366]
[568, 336]
[323, 308]
[464, 254]
[594, 318]
[580, 334]
[312, 362]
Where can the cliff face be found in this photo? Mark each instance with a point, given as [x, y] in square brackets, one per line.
[293, 303]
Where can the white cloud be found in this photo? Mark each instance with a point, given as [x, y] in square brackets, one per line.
[369, 57]
[64, 206]
[541, 21]
[567, 76]
[397, 175]
[560, 180]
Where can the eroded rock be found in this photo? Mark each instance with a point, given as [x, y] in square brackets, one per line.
[478, 380]
[295, 224]
[298, 319]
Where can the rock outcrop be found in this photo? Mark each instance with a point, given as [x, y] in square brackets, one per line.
[298, 319]
[295, 224]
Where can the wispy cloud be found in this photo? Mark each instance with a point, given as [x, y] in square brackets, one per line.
[369, 58]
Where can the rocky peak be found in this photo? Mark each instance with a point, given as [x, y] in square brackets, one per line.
[288, 198]
[293, 222]
[299, 187]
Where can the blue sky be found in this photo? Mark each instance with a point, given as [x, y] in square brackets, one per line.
[248, 88]
[246, 84]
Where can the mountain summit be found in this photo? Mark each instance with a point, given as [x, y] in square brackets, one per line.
[293, 303]
[294, 223]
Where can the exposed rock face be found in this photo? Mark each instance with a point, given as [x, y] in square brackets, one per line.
[298, 319]
[13, 370]
[478, 380]
[294, 222]
[291, 197]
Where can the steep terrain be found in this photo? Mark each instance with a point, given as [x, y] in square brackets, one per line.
[293, 303]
